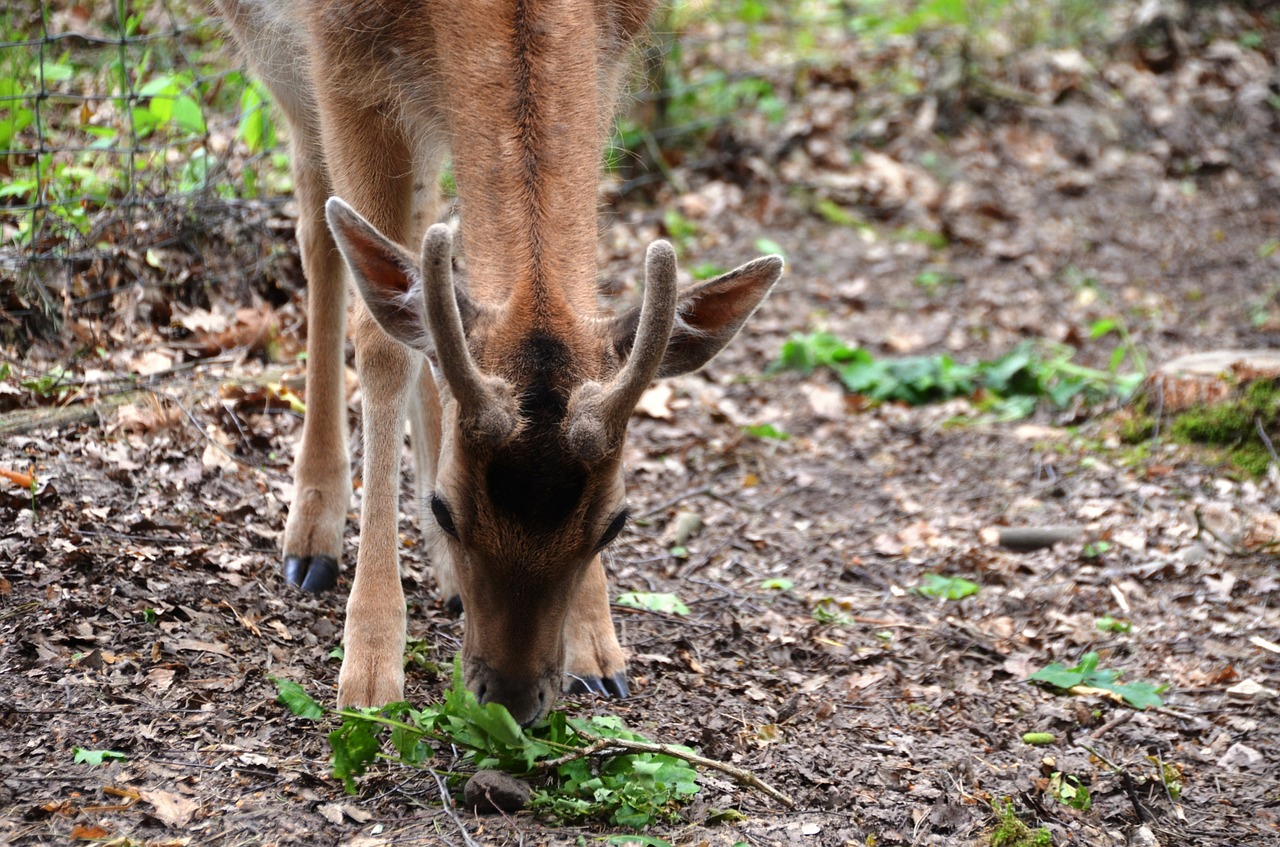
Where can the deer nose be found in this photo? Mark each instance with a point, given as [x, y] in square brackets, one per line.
[526, 701]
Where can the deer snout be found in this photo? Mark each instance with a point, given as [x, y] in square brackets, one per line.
[527, 699]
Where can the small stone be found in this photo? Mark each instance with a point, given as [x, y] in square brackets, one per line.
[1250, 690]
[495, 791]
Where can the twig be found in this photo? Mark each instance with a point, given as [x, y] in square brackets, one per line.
[1266, 440]
[1110, 764]
[200, 430]
[447, 802]
[1121, 718]
[604, 746]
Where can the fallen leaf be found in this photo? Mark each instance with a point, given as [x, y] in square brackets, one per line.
[653, 402]
[192, 645]
[79, 832]
[172, 809]
[150, 362]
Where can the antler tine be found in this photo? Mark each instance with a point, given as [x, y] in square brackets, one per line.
[598, 413]
[486, 406]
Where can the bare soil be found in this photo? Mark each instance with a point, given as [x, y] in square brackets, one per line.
[142, 609]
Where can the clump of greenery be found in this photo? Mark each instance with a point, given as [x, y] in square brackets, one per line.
[1139, 695]
[1010, 831]
[583, 769]
[946, 587]
[1069, 790]
[1233, 426]
[147, 107]
[1009, 386]
[1229, 428]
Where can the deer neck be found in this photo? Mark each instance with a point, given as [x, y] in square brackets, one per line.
[524, 104]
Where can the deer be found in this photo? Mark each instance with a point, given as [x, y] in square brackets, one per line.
[517, 387]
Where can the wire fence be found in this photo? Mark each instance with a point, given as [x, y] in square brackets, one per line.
[136, 157]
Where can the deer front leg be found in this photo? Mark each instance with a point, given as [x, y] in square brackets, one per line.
[373, 663]
[593, 658]
[372, 169]
[322, 470]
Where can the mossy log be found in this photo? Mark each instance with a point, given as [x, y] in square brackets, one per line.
[1227, 400]
[1209, 379]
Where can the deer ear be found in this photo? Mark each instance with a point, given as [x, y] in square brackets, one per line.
[385, 274]
[708, 316]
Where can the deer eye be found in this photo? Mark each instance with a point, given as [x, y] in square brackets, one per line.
[443, 516]
[615, 527]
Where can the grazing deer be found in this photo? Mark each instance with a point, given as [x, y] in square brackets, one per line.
[518, 419]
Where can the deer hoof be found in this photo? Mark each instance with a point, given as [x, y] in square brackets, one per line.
[453, 605]
[311, 573]
[609, 686]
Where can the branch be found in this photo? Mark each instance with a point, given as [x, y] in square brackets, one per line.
[447, 802]
[608, 746]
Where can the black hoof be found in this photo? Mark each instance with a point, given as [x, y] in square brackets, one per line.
[453, 605]
[611, 686]
[616, 685]
[311, 573]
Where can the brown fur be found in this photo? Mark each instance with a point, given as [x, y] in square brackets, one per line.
[518, 422]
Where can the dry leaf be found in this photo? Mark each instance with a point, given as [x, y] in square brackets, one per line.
[79, 832]
[172, 809]
[150, 362]
[653, 402]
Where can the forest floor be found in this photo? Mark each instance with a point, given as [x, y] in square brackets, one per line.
[142, 608]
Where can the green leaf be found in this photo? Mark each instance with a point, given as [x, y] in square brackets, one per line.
[1141, 695]
[707, 270]
[946, 587]
[768, 245]
[95, 757]
[640, 840]
[1057, 676]
[296, 700]
[355, 746]
[1102, 327]
[188, 116]
[766, 431]
[777, 584]
[666, 603]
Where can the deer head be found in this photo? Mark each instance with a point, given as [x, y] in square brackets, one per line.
[529, 481]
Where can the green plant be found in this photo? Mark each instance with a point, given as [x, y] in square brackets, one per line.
[588, 768]
[1169, 774]
[946, 587]
[1139, 695]
[1110, 624]
[681, 230]
[1010, 831]
[707, 270]
[54, 384]
[1095, 549]
[1070, 791]
[767, 432]
[1009, 386]
[95, 758]
[828, 611]
[668, 604]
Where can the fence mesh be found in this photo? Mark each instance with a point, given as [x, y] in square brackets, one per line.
[136, 157]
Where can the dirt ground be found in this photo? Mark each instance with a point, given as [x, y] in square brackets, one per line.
[142, 608]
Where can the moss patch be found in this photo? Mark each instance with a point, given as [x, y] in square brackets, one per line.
[1012, 832]
[1229, 430]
